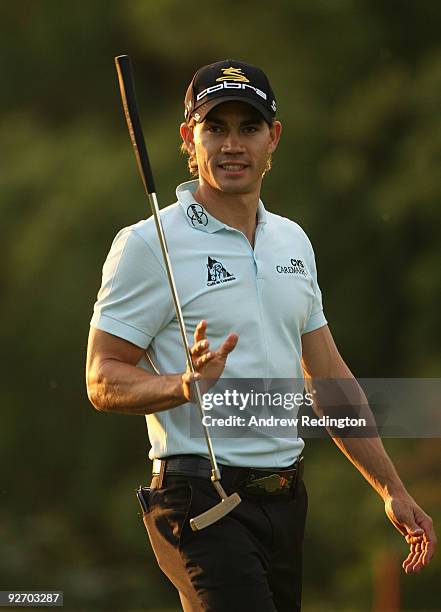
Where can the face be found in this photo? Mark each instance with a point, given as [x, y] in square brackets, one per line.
[232, 147]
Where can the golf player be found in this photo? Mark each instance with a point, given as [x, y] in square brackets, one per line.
[247, 282]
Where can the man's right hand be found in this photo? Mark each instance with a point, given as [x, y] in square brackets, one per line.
[207, 364]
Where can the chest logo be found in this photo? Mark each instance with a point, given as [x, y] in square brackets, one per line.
[197, 215]
[297, 267]
[217, 274]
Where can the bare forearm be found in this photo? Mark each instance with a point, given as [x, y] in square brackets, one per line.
[121, 387]
[370, 458]
[366, 453]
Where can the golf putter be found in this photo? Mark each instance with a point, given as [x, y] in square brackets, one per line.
[127, 90]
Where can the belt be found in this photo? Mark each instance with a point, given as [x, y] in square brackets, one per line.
[253, 481]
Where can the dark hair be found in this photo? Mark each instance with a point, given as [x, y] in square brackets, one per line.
[193, 164]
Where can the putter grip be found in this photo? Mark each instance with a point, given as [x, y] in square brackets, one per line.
[128, 96]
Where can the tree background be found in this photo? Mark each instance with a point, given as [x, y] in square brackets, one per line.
[358, 85]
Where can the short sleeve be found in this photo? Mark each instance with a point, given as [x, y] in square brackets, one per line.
[134, 300]
[316, 318]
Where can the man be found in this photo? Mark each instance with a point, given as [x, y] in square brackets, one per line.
[237, 267]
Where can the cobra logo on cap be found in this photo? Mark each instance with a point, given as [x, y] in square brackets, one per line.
[233, 74]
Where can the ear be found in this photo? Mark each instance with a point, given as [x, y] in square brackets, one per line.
[187, 136]
[275, 133]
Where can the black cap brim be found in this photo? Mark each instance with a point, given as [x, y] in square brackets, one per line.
[205, 108]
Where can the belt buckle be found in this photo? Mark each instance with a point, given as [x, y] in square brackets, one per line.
[274, 484]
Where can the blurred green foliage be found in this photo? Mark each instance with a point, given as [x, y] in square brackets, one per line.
[358, 84]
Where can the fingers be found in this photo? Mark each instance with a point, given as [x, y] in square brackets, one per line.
[412, 562]
[413, 536]
[228, 345]
[222, 352]
[201, 345]
[417, 529]
[429, 552]
[415, 560]
[422, 546]
[200, 332]
[202, 361]
[189, 377]
[198, 349]
[199, 352]
[422, 543]
[188, 380]
[429, 538]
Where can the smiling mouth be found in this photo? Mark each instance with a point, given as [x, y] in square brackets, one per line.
[233, 167]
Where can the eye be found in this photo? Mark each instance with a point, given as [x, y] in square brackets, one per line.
[250, 129]
[214, 129]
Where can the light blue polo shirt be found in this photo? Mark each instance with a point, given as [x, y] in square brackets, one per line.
[268, 295]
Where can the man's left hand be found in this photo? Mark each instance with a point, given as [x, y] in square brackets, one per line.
[416, 527]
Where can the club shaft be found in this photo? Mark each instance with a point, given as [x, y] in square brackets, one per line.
[162, 241]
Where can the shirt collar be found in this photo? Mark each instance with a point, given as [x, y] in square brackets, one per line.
[198, 217]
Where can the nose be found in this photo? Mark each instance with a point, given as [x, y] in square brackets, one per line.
[232, 143]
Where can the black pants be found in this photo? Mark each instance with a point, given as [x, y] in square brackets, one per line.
[249, 561]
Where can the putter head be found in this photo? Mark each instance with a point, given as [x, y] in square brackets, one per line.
[214, 514]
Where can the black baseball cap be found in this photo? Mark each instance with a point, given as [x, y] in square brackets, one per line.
[228, 80]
